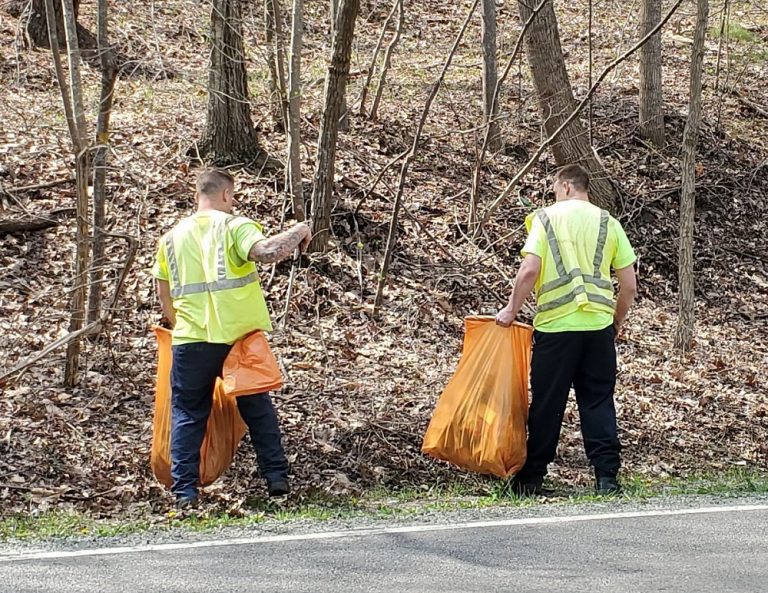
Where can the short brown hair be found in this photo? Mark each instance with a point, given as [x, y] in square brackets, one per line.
[576, 175]
[212, 181]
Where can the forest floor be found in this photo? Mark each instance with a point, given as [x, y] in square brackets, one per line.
[359, 391]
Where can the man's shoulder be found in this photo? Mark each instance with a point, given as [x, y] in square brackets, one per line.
[236, 221]
[181, 225]
[615, 224]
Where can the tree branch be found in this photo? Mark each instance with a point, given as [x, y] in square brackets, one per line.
[409, 159]
[579, 108]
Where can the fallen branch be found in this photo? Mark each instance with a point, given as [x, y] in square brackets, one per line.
[63, 341]
[46, 185]
[579, 108]
[758, 109]
[410, 157]
[26, 224]
[16, 487]
[33, 223]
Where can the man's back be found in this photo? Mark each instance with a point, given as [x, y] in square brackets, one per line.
[578, 244]
[215, 288]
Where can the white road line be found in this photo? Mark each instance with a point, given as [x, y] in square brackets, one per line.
[356, 533]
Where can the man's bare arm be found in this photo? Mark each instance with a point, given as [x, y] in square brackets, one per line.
[166, 302]
[280, 246]
[524, 283]
[627, 294]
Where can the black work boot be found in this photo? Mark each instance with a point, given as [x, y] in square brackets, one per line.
[527, 486]
[607, 485]
[187, 502]
[278, 488]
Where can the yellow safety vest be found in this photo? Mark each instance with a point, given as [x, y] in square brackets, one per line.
[566, 284]
[216, 294]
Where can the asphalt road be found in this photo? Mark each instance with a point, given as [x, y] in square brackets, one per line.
[722, 550]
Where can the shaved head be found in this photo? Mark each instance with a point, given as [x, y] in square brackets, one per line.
[576, 175]
[212, 182]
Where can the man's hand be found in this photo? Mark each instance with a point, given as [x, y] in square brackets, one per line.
[505, 317]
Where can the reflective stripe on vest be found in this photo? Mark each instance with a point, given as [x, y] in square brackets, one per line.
[221, 283]
[565, 277]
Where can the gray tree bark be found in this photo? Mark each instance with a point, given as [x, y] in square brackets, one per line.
[275, 100]
[651, 96]
[32, 14]
[686, 318]
[80, 142]
[108, 80]
[335, 90]
[490, 74]
[230, 136]
[344, 118]
[280, 64]
[294, 111]
[556, 102]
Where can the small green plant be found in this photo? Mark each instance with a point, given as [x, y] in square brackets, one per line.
[734, 31]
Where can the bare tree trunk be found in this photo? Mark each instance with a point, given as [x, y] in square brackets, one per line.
[387, 61]
[474, 200]
[556, 102]
[685, 323]
[33, 15]
[81, 174]
[375, 56]
[66, 97]
[651, 95]
[335, 90]
[344, 118]
[490, 74]
[108, 79]
[282, 89]
[294, 112]
[275, 100]
[229, 136]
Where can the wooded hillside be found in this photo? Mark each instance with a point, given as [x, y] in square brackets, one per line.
[359, 388]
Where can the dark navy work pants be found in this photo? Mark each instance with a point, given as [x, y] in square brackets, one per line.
[193, 377]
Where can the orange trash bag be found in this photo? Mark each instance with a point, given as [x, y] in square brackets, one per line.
[480, 420]
[249, 368]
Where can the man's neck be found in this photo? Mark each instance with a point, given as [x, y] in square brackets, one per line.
[580, 197]
[207, 208]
